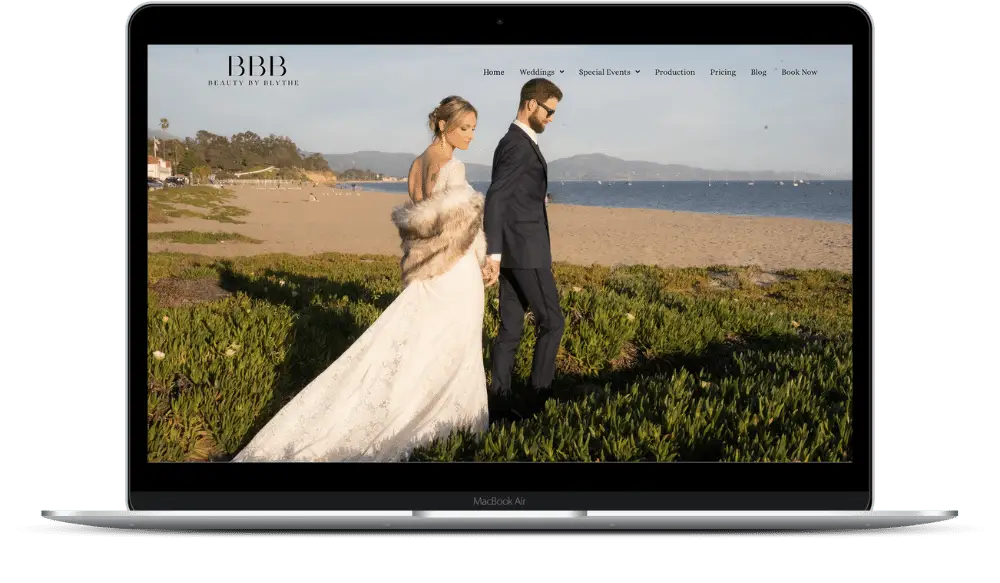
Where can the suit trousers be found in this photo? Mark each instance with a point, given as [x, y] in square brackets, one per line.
[520, 290]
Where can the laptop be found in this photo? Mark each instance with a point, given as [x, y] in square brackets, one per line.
[500, 267]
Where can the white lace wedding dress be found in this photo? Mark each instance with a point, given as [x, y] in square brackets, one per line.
[417, 373]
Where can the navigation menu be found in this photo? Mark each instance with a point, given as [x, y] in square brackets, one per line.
[656, 72]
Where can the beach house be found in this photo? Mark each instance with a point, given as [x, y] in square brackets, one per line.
[158, 168]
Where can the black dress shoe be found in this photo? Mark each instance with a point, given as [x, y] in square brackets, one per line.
[498, 406]
[543, 394]
[495, 401]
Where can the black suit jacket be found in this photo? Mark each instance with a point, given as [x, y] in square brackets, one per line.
[515, 219]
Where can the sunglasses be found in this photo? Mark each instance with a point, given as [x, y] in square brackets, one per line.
[548, 110]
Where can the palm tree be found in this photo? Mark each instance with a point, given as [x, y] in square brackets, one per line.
[164, 124]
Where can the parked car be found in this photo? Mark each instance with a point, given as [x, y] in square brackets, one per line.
[153, 183]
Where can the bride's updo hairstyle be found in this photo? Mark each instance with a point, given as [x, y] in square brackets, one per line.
[451, 110]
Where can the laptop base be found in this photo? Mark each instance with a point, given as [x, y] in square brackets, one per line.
[499, 521]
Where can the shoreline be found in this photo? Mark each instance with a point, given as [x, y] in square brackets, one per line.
[287, 222]
[714, 214]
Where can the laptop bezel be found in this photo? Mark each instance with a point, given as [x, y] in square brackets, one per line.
[535, 486]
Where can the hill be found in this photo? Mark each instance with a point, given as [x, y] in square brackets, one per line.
[160, 134]
[209, 153]
[579, 167]
[393, 164]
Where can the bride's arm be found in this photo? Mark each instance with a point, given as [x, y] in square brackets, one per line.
[479, 243]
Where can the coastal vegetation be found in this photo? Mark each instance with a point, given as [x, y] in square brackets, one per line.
[705, 364]
[208, 153]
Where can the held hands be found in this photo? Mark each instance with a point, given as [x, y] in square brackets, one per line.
[491, 271]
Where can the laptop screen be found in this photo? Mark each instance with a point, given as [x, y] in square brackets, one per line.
[387, 270]
[500, 254]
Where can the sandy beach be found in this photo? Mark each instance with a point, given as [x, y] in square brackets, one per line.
[288, 222]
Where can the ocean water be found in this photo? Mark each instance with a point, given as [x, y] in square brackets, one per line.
[826, 200]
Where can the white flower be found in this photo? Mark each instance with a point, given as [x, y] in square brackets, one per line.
[281, 282]
[158, 355]
[577, 289]
[230, 352]
[630, 317]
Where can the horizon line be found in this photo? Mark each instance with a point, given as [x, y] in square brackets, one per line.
[324, 154]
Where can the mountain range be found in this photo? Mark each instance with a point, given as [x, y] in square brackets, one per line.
[579, 167]
[160, 134]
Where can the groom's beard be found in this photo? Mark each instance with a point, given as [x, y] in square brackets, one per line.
[536, 126]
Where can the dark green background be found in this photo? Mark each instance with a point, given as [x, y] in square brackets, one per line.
[59, 233]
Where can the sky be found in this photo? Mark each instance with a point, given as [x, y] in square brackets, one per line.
[370, 97]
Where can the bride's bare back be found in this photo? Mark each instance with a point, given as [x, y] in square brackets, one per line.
[424, 173]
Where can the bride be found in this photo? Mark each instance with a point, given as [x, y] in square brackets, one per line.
[417, 373]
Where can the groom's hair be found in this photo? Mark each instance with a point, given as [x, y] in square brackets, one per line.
[538, 89]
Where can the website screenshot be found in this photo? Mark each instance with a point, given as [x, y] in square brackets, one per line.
[499, 254]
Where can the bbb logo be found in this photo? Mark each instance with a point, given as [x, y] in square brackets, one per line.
[257, 66]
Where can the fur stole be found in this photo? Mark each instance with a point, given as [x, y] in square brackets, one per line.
[436, 233]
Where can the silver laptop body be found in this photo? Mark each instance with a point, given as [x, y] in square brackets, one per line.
[876, 516]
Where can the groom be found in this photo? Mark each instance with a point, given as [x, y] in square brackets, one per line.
[518, 244]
